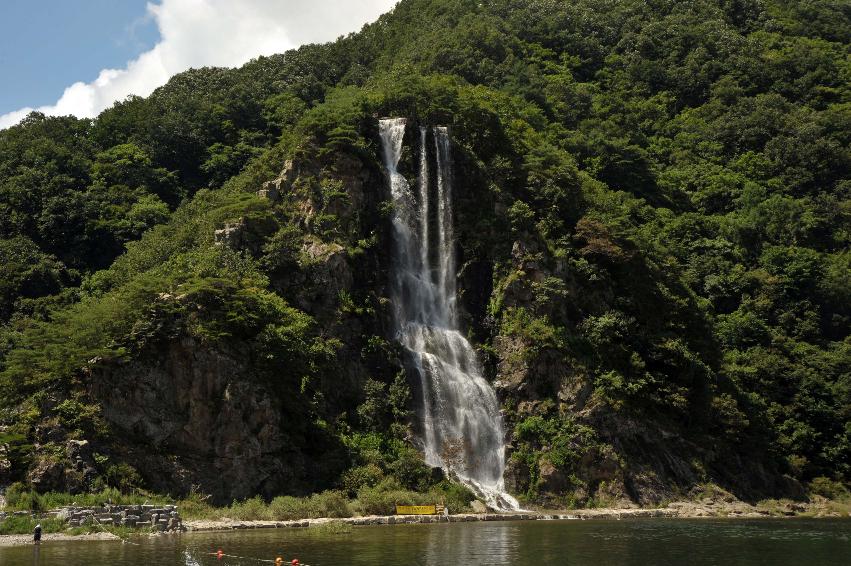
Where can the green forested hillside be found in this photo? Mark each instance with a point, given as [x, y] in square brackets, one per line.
[653, 220]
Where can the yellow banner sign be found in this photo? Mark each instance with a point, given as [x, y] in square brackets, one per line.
[416, 509]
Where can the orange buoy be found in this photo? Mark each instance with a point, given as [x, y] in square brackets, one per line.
[279, 561]
[219, 554]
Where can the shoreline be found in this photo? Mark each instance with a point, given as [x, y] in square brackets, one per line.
[677, 510]
[231, 524]
[27, 540]
[707, 508]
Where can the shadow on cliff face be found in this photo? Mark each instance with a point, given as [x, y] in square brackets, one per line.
[235, 419]
[609, 373]
[190, 416]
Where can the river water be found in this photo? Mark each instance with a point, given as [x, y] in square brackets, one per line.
[575, 543]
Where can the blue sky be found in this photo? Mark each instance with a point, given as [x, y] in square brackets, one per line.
[78, 57]
[47, 45]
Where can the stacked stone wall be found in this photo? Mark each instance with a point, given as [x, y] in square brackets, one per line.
[160, 518]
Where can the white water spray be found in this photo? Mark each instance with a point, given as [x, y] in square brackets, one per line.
[462, 428]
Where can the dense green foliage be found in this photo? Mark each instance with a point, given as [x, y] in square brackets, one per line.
[661, 189]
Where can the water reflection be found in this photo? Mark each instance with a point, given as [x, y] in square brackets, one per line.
[572, 543]
[488, 544]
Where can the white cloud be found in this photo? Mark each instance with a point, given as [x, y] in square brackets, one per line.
[222, 33]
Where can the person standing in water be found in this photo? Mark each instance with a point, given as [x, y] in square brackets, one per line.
[37, 534]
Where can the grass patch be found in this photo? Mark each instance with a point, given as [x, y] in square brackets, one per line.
[23, 525]
[20, 499]
[331, 528]
[378, 500]
[841, 507]
[326, 504]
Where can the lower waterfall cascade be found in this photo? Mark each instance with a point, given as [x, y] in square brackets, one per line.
[462, 430]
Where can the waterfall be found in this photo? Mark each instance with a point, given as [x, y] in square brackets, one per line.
[461, 426]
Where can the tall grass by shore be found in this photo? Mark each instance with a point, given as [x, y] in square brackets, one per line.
[18, 498]
[377, 500]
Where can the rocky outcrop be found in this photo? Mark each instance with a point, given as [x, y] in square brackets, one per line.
[80, 472]
[5, 464]
[245, 234]
[74, 471]
[273, 189]
[47, 473]
[195, 418]
[627, 462]
[324, 275]
[231, 235]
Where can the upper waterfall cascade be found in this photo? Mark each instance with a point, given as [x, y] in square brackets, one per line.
[461, 426]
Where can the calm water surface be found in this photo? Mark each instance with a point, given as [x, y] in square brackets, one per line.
[574, 543]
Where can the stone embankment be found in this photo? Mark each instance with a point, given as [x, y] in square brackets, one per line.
[230, 524]
[707, 508]
[161, 518]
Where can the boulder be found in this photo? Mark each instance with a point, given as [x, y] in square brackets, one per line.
[231, 235]
[275, 189]
[5, 465]
[550, 478]
[46, 474]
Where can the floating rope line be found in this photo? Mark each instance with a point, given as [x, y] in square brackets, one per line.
[216, 554]
[221, 554]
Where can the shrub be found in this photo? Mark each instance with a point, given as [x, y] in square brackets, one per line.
[829, 488]
[330, 504]
[455, 496]
[253, 509]
[383, 498]
[76, 415]
[18, 497]
[123, 476]
[285, 508]
[411, 471]
[19, 451]
[362, 476]
[326, 504]
[195, 506]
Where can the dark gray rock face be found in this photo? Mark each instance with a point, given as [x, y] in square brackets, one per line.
[197, 419]
[274, 189]
[80, 469]
[5, 464]
[46, 474]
